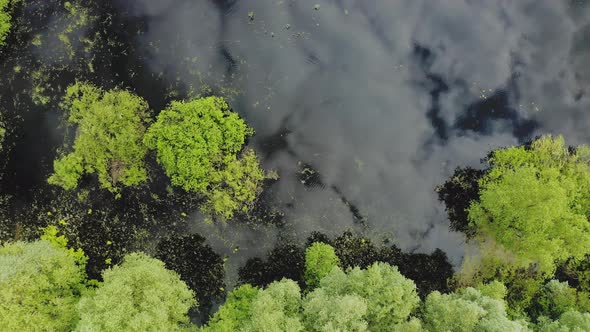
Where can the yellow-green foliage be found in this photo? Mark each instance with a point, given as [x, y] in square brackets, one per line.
[138, 295]
[235, 187]
[235, 312]
[535, 202]
[39, 287]
[197, 143]
[320, 259]
[5, 16]
[110, 129]
[61, 242]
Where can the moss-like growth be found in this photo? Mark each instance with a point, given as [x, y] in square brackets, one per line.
[110, 129]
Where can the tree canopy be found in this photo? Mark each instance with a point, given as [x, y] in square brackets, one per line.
[535, 202]
[197, 143]
[138, 295]
[40, 284]
[467, 310]
[109, 133]
[320, 259]
[5, 17]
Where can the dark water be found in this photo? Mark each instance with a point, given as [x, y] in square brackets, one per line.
[380, 100]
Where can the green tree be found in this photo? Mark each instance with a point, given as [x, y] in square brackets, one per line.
[329, 313]
[40, 284]
[571, 321]
[320, 259]
[235, 312]
[247, 309]
[556, 298]
[234, 188]
[390, 297]
[109, 138]
[197, 143]
[138, 295]
[5, 17]
[469, 311]
[535, 202]
[276, 308]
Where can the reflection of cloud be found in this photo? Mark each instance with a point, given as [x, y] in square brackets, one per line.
[346, 84]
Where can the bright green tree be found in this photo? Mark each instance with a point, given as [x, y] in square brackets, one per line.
[535, 202]
[467, 311]
[389, 296]
[138, 295]
[109, 138]
[197, 143]
[235, 312]
[320, 259]
[248, 309]
[40, 284]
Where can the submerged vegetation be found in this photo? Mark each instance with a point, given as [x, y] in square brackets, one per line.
[106, 164]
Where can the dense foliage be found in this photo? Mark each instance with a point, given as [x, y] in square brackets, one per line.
[535, 202]
[197, 143]
[40, 284]
[138, 295]
[109, 134]
[5, 16]
[320, 259]
[525, 214]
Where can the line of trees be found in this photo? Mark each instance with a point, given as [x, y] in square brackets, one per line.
[43, 286]
[199, 143]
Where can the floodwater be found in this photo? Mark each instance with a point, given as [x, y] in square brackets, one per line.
[363, 107]
[382, 98]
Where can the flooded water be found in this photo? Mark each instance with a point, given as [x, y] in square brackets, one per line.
[363, 107]
[382, 98]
